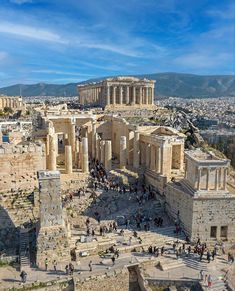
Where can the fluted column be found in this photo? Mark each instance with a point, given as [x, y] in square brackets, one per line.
[199, 178]
[85, 160]
[158, 159]
[72, 138]
[152, 96]
[153, 158]
[208, 179]
[147, 159]
[102, 151]
[93, 140]
[80, 159]
[127, 95]
[216, 179]
[225, 178]
[141, 95]
[97, 147]
[68, 160]
[114, 95]
[123, 152]
[52, 152]
[136, 153]
[108, 155]
[108, 96]
[134, 95]
[120, 95]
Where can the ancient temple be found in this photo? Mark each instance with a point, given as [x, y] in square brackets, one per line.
[118, 92]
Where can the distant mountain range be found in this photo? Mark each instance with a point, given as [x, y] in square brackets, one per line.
[167, 84]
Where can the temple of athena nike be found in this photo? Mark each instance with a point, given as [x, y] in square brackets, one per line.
[118, 92]
[82, 182]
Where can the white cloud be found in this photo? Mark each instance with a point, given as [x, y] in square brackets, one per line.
[56, 72]
[201, 60]
[30, 32]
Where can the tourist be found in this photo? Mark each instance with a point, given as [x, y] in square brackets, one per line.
[177, 254]
[113, 260]
[67, 269]
[55, 265]
[46, 264]
[23, 276]
[71, 269]
[90, 266]
[162, 250]
[201, 275]
[208, 256]
[209, 280]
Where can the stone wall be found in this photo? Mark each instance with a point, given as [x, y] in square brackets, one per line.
[217, 212]
[179, 204]
[198, 215]
[111, 281]
[19, 165]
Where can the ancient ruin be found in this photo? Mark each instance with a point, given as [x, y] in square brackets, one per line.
[123, 92]
[15, 103]
[91, 186]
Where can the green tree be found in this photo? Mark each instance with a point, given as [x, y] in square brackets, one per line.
[8, 110]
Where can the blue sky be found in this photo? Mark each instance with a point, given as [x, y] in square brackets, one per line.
[58, 41]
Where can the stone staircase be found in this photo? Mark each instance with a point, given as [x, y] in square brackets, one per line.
[125, 176]
[168, 263]
[158, 237]
[24, 249]
[218, 285]
[19, 208]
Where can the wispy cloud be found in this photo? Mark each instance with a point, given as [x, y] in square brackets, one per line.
[20, 2]
[202, 60]
[56, 72]
[225, 13]
[35, 33]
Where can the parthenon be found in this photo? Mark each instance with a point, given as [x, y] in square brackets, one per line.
[118, 91]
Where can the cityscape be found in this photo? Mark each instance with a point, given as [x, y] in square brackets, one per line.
[117, 145]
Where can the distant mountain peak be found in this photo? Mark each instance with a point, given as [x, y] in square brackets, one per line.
[167, 84]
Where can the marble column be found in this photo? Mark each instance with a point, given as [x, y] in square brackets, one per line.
[114, 95]
[108, 155]
[108, 96]
[97, 147]
[72, 138]
[102, 151]
[80, 156]
[77, 153]
[123, 152]
[152, 96]
[68, 160]
[225, 178]
[216, 179]
[147, 159]
[120, 95]
[199, 178]
[208, 179]
[93, 140]
[158, 159]
[52, 152]
[153, 158]
[136, 153]
[141, 95]
[134, 95]
[127, 95]
[0, 135]
[85, 160]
